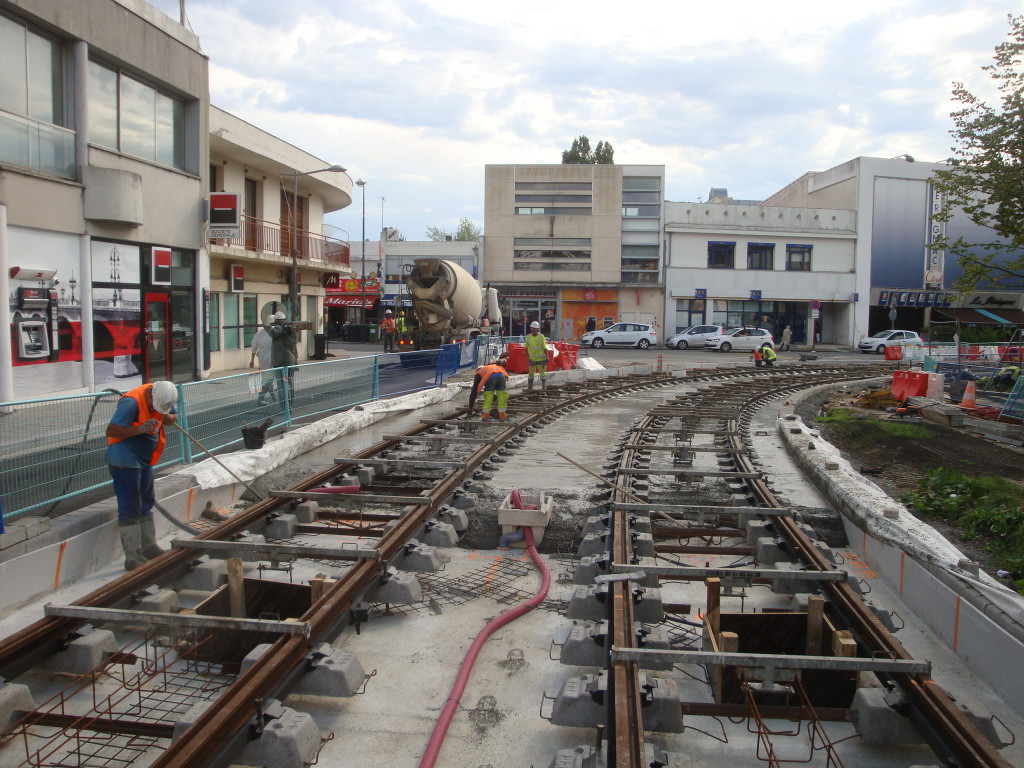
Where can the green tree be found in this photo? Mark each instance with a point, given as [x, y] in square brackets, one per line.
[466, 230]
[581, 154]
[987, 173]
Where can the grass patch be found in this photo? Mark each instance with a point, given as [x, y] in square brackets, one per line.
[987, 509]
[851, 423]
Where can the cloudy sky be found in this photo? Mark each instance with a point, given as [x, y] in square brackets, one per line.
[416, 96]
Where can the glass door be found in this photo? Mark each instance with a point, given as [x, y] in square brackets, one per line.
[155, 353]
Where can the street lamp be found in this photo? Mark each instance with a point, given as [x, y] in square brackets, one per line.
[294, 288]
[362, 262]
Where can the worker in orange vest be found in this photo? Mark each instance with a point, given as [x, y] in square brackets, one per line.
[387, 331]
[135, 440]
[491, 379]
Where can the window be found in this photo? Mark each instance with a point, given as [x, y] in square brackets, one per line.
[721, 255]
[553, 198]
[644, 182]
[215, 322]
[133, 117]
[798, 258]
[689, 312]
[250, 319]
[229, 319]
[641, 210]
[552, 254]
[641, 197]
[760, 255]
[552, 242]
[554, 266]
[553, 185]
[552, 211]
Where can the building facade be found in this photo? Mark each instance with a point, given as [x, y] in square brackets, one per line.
[765, 266]
[103, 164]
[283, 194]
[569, 245]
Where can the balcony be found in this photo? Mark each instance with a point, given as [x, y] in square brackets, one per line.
[270, 237]
[37, 146]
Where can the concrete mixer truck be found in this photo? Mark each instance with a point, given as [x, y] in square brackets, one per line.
[449, 305]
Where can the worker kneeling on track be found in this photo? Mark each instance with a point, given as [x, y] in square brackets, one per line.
[491, 379]
[135, 440]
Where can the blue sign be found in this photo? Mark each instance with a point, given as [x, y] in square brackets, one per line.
[700, 293]
[755, 295]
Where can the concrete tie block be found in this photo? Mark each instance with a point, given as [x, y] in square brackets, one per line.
[281, 526]
[464, 500]
[584, 645]
[290, 739]
[438, 534]
[85, 653]
[768, 553]
[643, 544]
[596, 524]
[206, 575]
[577, 703]
[419, 558]
[456, 518]
[590, 567]
[660, 696]
[398, 589]
[366, 475]
[593, 544]
[756, 529]
[587, 756]
[307, 512]
[14, 698]
[330, 671]
[589, 602]
[163, 601]
[878, 723]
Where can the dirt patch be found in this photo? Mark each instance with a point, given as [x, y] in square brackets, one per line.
[897, 464]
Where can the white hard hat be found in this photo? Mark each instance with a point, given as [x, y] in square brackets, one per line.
[387, 311]
[165, 395]
[280, 316]
[535, 324]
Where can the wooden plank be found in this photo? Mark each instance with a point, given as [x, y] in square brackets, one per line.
[236, 588]
[177, 621]
[276, 551]
[714, 605]
[843, 644]
[815, 614]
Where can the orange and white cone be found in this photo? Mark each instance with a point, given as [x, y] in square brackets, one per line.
[969, 399]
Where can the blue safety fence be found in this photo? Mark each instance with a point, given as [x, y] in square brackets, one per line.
[54, 448]
[1014, 406]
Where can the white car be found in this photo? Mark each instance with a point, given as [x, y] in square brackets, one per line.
[622, 335]
[694, 336]
[747, 339]
[894, 338]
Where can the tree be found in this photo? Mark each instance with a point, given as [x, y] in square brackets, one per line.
[581, 154]
[466, 230]
[987, 173]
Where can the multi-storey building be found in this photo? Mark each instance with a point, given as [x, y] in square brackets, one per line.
[568, 245]
[283, 194]
[103, 162]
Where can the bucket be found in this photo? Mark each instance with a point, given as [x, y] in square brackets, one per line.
[255, 437]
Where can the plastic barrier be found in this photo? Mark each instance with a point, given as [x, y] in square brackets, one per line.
[893, 353]
[517, 359]
[567, 355]
[910, 384]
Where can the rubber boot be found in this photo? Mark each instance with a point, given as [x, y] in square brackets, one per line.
[150, 549]
[131, 543]
[543, 383]
[529, 384]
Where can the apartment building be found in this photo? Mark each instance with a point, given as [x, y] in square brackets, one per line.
[103, 163]
[569, 244]
[280, 254]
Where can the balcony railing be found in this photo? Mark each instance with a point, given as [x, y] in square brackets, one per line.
[273, 237]
[38, 146]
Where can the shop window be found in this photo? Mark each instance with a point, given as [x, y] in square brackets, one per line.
[760, 256]
[721, 255]
[798, 258]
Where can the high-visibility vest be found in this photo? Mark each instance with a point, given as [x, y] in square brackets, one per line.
[486, 371]
[769, 353]
[387, 325]
[536, 348]
[402, 327]
[139, 395]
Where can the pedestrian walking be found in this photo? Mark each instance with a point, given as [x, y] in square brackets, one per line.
[491, 380]
[769, 355]
[387, 331]
[283, 353]
[536, 355]
[787, 338]
[135, 440]
[262, 356]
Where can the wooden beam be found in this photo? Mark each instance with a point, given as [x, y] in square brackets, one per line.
[236, 588]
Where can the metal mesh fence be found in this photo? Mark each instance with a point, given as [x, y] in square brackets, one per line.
[55, 448]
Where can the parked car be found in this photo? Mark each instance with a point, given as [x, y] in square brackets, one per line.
[622, 334]
[894, 338]
[747, 339]
[694, 336]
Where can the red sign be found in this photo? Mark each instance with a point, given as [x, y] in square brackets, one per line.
[161, 272]
[225, 216]
[237, 281]
[351, 301]
[335, 285]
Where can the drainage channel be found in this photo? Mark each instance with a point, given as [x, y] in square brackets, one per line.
[696, 618]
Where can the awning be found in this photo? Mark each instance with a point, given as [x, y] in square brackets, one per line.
[983, 316]
[366, 302]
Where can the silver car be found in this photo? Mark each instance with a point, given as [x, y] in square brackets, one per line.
[639, 335]
[893, 338]
[693, 337]
[747, 339]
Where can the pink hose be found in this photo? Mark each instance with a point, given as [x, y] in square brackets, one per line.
[338, 489]
[448, 711]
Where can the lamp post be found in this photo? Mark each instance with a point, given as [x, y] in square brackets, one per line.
[294, 287]
[361, 183]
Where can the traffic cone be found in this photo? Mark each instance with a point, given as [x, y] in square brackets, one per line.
[969, 399]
